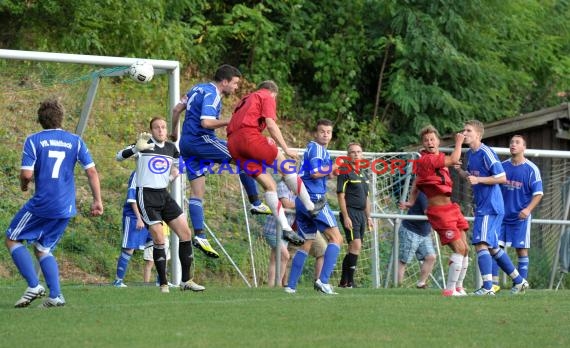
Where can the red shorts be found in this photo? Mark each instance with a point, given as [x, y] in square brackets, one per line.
[253, 152]
[448, 221]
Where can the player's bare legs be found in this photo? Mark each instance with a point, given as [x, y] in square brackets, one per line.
[272, 200]
[287, 168]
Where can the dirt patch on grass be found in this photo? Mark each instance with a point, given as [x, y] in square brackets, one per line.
[67, 272]
[70, 272]
[4, 272]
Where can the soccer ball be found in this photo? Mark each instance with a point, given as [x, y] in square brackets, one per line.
[141, 71]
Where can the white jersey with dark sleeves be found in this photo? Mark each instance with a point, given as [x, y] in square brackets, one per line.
[153, 166]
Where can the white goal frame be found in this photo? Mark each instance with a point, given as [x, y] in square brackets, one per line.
[169, 67]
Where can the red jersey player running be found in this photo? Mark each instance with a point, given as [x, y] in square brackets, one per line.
[254, 152]
[445, 217]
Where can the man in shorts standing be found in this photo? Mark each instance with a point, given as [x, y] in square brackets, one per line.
[317, 167]
[485, 174]
[521, 193]
[415, 240]
[352, 192]
[135, 234]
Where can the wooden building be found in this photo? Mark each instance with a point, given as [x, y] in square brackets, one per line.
[546, 129]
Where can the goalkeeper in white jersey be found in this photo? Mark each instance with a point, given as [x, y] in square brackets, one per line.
[157, 162]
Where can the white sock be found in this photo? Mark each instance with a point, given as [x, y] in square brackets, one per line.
[272, 201]
[463, 272]
[295, 184]
[455, 266]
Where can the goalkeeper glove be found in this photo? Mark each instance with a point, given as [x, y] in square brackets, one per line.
[142, 142]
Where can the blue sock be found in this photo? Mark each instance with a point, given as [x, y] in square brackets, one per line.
[485, 262]
[507, 266]
[51, 274]
[196, 211]
[495, 271]
[250, 186]
[296, 268]
[523, 266]
[25, 264]
[122, 264]
[331, 255]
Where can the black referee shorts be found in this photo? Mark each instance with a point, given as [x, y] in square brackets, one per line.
[359, 224]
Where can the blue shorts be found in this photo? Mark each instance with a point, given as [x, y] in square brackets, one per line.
[486, 230]
[133, 238]
[44, 232]
[200, 154]
[414, 244]
[515, 234]
[308, 225]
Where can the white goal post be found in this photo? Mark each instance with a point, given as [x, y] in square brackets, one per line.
[169, 67]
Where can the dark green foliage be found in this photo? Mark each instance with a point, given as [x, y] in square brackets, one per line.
[380, 67]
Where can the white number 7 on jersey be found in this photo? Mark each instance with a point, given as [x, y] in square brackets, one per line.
[59, 156]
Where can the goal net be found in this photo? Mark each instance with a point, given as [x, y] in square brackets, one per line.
[102, 105]
[389, 176]
[377, 264]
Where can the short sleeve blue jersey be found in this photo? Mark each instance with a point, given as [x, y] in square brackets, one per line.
[204, 102]
[523, 182]
[131, 196]
[484, 162]
[52, 155]
[316, 159]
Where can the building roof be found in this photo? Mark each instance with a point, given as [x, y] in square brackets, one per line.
[525, 121]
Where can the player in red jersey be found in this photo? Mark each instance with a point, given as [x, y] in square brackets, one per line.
[445, 217]
[255, 153]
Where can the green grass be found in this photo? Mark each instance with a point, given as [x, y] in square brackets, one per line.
[102, 316]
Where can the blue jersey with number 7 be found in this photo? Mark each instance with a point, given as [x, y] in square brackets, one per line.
[52, 154]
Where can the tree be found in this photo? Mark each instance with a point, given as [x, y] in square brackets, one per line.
[379, 69]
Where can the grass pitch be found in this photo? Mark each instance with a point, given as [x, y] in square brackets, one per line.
[103, 316]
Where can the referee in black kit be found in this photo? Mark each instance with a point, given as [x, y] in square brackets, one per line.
[352, 191]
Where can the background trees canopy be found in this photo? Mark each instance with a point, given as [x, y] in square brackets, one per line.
[379, 69]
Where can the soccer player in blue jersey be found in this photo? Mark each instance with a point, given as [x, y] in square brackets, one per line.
[49, 159]
[200, 147]
[521, 193]
[485, 174]
[317, 167]
[135, 234]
